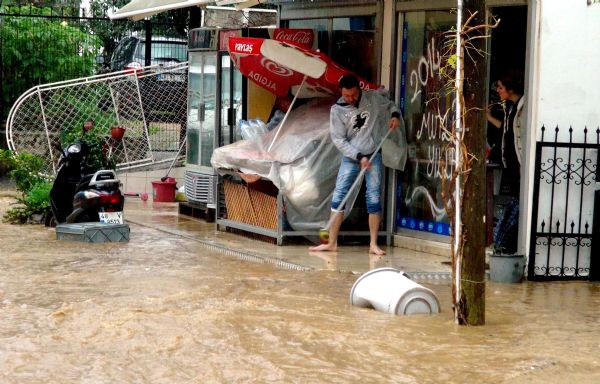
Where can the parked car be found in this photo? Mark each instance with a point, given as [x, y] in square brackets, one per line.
[163, 95]
[130, 53]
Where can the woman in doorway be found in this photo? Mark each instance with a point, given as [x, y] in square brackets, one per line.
[510, 90]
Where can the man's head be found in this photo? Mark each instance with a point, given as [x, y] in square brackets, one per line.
[350, 89]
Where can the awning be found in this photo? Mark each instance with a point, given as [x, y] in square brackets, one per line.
[139, 9]
[240, 4]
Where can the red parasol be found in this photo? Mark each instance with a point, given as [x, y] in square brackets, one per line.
[282, 67]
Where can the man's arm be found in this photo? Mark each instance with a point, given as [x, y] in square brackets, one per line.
[338, 135]
[390, 107]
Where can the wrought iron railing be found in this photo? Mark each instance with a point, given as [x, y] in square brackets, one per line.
[565, 179]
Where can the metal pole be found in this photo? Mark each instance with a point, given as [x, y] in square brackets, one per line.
[287, 113]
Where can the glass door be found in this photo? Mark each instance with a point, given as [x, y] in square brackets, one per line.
[202, 96]
[425, 105]
[231, 100]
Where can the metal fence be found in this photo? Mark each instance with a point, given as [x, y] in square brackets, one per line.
[52, 41]
[150, 104]
[562, 233]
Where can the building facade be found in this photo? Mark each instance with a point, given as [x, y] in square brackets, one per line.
[399, 44]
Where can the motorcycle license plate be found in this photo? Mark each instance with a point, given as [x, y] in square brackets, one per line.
[111, 217]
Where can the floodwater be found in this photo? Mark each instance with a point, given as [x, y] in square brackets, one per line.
[163, 309]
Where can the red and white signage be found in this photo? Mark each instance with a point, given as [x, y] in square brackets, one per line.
[302, 37]
[247, 54]
[244, 46]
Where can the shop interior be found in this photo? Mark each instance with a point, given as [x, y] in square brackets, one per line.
[507, 53]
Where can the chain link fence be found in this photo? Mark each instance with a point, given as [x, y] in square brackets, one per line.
[47, 41]
[150, 104]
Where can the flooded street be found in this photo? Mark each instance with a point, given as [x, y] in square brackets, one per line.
[164, 309]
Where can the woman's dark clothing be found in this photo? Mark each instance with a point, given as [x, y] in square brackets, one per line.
[506, 231]
[511, 174]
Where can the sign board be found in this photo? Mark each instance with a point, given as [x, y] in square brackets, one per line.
[203, 39]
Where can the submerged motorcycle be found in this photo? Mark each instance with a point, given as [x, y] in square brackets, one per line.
[80, 194]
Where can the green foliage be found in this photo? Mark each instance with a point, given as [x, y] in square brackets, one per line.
[37, 198]
[26, 171]
[169, 24]
[7, 162]
[36, 201]
[452, 61]
[72, 112]
[94, 139]
[39, 50]
[16, 215]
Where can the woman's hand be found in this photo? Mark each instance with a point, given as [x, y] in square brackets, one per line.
[488, 114]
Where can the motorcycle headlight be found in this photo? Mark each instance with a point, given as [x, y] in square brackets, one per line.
[74, 148]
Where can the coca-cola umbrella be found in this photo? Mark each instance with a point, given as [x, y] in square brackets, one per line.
[282, 67]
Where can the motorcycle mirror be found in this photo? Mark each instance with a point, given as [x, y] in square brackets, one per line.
[57, 146]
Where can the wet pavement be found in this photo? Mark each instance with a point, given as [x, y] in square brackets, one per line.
[349, 258]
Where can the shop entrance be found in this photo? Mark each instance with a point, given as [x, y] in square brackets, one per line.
[507, 55]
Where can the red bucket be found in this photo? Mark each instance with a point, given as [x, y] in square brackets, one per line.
[164, 191]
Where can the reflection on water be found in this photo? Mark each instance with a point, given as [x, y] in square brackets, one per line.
[170, 311]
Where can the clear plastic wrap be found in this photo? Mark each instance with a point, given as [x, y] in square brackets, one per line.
[251, 129]
[303, 163]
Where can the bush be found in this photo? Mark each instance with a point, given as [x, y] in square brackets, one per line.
[7, 162]
[36, 201]
[94, 139]
[25, 171]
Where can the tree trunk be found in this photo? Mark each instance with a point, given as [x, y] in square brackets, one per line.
[471, 306]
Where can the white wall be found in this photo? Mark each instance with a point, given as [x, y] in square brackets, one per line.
[569, 65]
[564, 91]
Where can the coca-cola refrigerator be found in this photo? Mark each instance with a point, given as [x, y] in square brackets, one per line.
[216, 102]
[220, 97]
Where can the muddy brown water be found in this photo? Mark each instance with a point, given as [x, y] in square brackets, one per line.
[163, 309]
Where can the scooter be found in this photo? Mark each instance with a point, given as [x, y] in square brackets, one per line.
[79, 194]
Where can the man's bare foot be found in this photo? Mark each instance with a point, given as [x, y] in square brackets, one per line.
[375, 250]
[329, 247]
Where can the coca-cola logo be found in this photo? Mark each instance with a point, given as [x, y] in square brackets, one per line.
[301, 36]
[273, 67]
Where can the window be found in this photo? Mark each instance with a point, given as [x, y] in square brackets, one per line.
[165, 50]
[349, 41]
[427, 111]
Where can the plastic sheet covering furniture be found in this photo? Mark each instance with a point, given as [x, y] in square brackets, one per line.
[302, 164]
